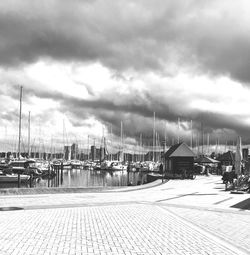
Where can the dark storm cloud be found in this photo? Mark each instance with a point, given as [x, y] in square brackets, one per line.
[210, 37]
[139, 119]
[207, 36]
[137, 115]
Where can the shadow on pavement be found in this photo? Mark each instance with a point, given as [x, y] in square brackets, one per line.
[10, 208]
[244, 205]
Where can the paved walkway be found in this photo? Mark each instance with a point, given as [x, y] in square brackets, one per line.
[177, 217]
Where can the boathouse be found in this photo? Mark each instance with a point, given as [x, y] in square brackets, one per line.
[179, 157]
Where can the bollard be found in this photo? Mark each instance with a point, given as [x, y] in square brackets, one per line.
[128, 177]
[55, 182]
[61, 173]
[48, 175]
[31, 177]
[58, 173]
[18, 180]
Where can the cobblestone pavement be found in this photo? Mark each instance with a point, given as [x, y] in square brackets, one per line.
[177, 217]
[231, 226]
[122, 229]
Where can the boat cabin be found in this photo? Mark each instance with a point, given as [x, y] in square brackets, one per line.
[22, 166]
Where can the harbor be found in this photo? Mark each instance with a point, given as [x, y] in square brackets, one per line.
[113, 162]
[77, 178]
[124, 127]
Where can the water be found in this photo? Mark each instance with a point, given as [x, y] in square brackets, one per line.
[86, 178]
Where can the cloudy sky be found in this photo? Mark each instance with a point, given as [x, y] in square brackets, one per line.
[85, 66]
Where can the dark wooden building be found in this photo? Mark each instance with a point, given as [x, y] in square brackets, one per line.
[178, 158]
[227, 159]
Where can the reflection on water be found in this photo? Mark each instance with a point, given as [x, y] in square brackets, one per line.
[86, 178]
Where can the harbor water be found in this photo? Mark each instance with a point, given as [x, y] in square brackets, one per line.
[85, 178]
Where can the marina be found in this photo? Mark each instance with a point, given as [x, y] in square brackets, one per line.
[124, 127]
[83, 178]
[39, 174]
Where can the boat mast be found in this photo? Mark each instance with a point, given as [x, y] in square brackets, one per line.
[216, 146]
[102, 146]
[121, 143]
[197, 143]
[20, 122]
[88, 149]
[178, 130]
[154, 139]
[51, 148]
[165, 138]
[202, 138]
[208, 144]
[218, 142]
[29, 136]
[157, 146]
[191, 141]
[141, 147]
[111, 137]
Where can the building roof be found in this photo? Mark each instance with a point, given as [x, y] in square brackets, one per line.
[179, 150]
[206, 160]
[228, 156]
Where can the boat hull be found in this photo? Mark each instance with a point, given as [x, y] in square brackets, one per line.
[13, 178]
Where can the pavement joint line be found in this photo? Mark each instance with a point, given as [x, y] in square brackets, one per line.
[224, 200]
[205, 194]
[176, 197]
[211, 235]
[26, 196]
[205, 208]
[61, 206]
[135, 189]
[167, 188]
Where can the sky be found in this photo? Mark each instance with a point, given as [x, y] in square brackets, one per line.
[87, 66]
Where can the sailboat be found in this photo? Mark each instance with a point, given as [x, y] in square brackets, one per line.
[4, 177]
[112, 165]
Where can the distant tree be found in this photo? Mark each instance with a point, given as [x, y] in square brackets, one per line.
[212, 155]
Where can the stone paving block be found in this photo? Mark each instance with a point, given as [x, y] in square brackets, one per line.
[116, 224]
[233, 227]
[128, 229]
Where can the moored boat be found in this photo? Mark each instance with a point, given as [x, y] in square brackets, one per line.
[117, 166]
[3, 164]
[76, 164]
[13, 178]
[105, 165]
[153, 177]
[96, 166]
[24, 166]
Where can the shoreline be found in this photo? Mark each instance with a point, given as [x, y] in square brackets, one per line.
[60, 190]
